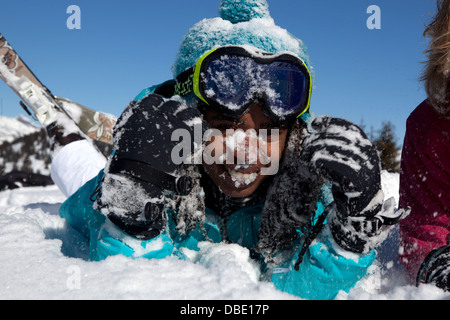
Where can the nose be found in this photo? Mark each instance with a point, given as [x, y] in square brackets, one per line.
[243, 146]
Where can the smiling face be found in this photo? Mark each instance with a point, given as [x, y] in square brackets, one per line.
[242, 176]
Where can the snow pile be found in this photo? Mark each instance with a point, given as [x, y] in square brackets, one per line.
[42, 258]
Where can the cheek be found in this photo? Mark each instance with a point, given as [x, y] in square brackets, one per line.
[214, 151]
[275, 148]
[213, 145]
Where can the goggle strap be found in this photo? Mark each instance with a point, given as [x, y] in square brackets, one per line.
[185, 82]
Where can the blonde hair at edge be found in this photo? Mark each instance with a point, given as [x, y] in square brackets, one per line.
[437, 71]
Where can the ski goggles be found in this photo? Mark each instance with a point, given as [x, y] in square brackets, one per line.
[229, 79]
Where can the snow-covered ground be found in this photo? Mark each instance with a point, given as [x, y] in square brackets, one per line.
[42, 258]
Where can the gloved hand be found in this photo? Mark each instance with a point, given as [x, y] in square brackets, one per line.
[142, 168]
[436, 268]
[340, 152]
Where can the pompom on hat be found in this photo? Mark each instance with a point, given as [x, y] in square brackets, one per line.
[241, 22]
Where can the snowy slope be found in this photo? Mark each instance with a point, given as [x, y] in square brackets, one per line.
[13, 128]
[38, 261]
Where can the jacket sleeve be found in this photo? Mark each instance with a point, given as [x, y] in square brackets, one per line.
[424, 186]
[104, 238]
[113, 241]
[326, 268]
[325, 271]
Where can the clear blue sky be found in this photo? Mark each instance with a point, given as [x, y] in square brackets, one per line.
[363, 75]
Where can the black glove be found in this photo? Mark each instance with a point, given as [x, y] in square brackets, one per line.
[340, 152]
[142, 169]
[435, 268]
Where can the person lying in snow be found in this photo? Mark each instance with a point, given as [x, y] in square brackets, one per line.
[305, 197]
[425, 166]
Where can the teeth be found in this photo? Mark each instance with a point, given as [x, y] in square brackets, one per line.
[242, 178]
[242, 166]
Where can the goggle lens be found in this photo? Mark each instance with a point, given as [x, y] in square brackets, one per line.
[235, 81]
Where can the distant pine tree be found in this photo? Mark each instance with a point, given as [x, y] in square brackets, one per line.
[387, 148]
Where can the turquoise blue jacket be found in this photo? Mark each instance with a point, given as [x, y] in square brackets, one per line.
[322, 274]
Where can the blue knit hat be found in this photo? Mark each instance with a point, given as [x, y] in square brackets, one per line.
[241, 22]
